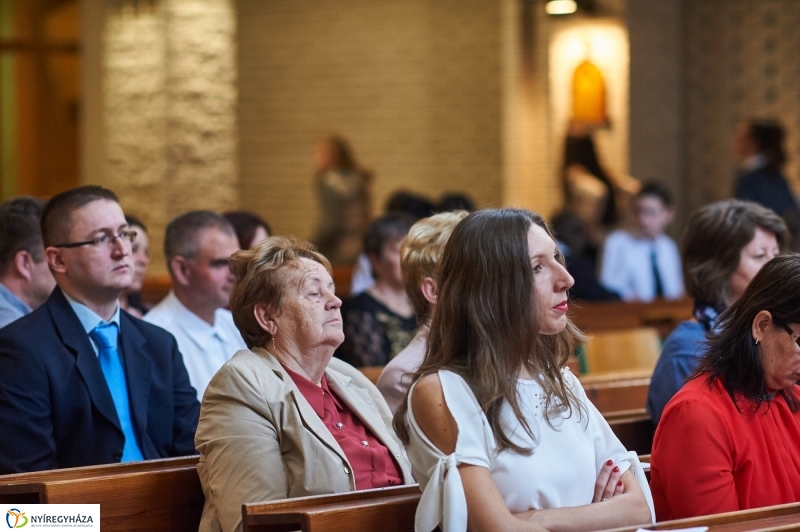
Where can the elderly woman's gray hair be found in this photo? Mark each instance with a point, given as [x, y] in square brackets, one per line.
[261, 276]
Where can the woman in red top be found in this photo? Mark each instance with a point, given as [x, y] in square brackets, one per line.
[730, 439]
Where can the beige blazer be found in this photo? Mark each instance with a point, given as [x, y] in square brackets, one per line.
[259, 439]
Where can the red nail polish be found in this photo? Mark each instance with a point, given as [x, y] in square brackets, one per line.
[616, 468]
[610, 462]
[619, 483]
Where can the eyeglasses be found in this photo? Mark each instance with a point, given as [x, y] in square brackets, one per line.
[785, 327]
[103, 242]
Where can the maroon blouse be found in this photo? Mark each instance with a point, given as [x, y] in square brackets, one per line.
[373, 465]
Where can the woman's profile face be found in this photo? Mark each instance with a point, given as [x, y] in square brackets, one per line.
[760, 250]
[551, 281]
[309, 316]
[780, 355]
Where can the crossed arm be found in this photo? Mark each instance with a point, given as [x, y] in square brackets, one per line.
[486, 509]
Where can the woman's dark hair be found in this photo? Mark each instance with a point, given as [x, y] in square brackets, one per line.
[384, 229]
[768, 136]
[133, 220]
[580, 150]
[245, 224]
[713, 241]
[733, 355]
[485, 324]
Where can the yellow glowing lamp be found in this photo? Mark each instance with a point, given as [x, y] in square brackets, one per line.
[588, 94]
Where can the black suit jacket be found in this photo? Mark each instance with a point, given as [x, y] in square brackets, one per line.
[55, 406]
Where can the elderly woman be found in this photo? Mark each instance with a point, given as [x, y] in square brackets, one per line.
[500, 434]
[282, 419]
[379, 323]
[724, 246]
[730, 439]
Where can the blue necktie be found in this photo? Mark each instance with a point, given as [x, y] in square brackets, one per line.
[659, 285]
[106, 335]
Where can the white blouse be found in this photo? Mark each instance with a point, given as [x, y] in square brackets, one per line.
[561, 471]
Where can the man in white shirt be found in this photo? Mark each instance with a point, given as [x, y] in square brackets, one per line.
[25, 278]
[197, 246]
[644, 264]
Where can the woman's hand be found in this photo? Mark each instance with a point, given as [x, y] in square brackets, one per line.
[608, 482]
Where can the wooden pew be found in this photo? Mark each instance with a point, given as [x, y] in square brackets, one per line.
[377, 510]
[150, 495]
[634, 428]
[616, 391]
[771, 518]
[662, 314]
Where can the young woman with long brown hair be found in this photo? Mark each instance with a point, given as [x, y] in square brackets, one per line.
[500, 434]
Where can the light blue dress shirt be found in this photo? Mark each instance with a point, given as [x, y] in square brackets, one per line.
[11, 307]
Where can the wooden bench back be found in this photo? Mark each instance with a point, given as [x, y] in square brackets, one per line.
[378, 510]
[771, 518]
[152, 498]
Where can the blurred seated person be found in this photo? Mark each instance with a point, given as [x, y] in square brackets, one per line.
[25, 278]
[455, 201]
[131, 300]
[724, 246]
[499, 432]
[197, 247]
[758, 148]
[380, 322]
[592, 191]
[571, 234]
[250, 228]
[416, 206]
[644, 264]
[419, 257]
[282, 418]
[730, 438]
[83, 382]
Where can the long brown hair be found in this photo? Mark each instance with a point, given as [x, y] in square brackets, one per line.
[485, 325]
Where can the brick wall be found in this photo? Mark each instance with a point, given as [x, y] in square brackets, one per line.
[414, 85]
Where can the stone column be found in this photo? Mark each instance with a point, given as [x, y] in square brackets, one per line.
[166, 113]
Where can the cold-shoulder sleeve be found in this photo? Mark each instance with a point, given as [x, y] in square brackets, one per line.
[443, 501]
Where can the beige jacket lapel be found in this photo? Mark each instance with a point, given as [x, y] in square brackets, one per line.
[359, 400]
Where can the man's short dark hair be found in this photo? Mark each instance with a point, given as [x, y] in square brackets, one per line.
[652, 188]
[180, 239]
[20, 230]
[57, 214]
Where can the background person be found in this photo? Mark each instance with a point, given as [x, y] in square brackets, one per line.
[99, 386]
[25, 278]
[491, 403]
[758, 148]
[131, 300]
[344, 192]
[282, 419]
[644, 264]
[730, 438]
[419, 257]
[198, 246]
[380, 322]
[250, 228]
[724, 246]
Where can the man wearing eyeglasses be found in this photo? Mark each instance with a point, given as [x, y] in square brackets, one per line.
[82, 382]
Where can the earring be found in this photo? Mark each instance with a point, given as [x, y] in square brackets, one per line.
[757, 340]
[273, 342]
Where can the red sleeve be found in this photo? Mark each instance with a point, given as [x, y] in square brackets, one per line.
[692, 463]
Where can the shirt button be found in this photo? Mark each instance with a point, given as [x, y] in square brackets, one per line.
[347, 470]
[339, 425]
[365, 443]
